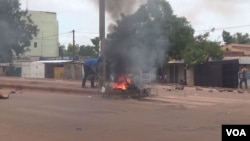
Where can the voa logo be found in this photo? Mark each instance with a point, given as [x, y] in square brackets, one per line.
[236, 132]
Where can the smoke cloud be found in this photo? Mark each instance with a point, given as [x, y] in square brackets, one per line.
[115, 7]
[132, 47]
[6, 32]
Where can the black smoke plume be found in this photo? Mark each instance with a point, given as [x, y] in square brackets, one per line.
[138, 41]
[115, 7]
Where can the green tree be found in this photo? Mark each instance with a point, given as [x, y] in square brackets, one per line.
[201, 50]
[62, 50]
[17, 29]
[96, 46]
[238, 38]
[69, 51]
[227, 38]
[90, 50]
[87, 51]
[180, 34]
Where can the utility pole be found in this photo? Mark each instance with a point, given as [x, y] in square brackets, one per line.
[102, 40]
[73, 52]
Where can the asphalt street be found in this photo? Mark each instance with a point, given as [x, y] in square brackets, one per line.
[43, 116]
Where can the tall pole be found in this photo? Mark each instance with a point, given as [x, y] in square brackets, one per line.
[102, 39]
[73, 50]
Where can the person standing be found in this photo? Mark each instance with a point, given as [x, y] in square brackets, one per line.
[90, 67]
[243, 77]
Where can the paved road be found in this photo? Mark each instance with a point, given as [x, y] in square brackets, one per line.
[37, 116]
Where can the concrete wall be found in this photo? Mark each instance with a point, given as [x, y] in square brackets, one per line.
[190, 77]
[33, 70]
[2, 72]
[73, 71]
[46, 42]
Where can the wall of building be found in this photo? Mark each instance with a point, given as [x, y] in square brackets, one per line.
[73, 71]
[190, 77]
[46, 42]
[175, 72]
[33, 70]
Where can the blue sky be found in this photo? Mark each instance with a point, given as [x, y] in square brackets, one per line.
[82, 16]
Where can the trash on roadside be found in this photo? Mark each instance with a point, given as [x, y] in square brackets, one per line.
[4, 95]
[240, 91]
[198, 89]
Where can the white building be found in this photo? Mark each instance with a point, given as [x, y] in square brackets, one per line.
[46, 42]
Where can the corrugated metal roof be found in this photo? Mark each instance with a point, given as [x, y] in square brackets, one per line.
[176, 62]
[54, 61]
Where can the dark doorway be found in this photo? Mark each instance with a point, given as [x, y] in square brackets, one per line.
[174, 69]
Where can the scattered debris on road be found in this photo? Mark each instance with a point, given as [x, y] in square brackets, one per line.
[199, 89]
[240, 91]
[5, 94]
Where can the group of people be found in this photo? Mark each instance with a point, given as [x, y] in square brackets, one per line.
[243, 76]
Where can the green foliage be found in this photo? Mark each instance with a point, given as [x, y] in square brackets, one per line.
[201, 50]
[88, 51]
[92, 51]
[62, 50]
[180, 34]
[96, 46]
[238, 38]
[83, 50]
[227, 38]
[69, 51]
[17, 29]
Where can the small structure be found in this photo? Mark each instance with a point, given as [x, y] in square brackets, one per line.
[176, 71]
[3, 68]
[33, 70]
[217, 74]
[54, 69]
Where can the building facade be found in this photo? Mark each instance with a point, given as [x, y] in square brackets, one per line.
[46, 44]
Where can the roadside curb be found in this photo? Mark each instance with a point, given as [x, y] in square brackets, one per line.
[64, 87]
[50, 88]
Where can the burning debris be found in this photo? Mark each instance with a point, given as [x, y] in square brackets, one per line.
[122, 82]
[126, 86]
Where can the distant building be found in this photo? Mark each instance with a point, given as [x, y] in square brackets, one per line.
[241, 52]
[236, 50]
[45, 45]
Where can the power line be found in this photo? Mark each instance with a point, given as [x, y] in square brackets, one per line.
[67, 40]
[52, 35]
[91, 33]
[223, 28]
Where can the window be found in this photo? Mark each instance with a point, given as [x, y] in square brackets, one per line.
[35, 44]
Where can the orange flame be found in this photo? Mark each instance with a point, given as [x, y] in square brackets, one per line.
[122, 82]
